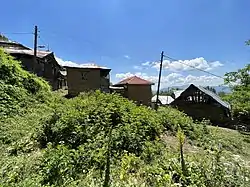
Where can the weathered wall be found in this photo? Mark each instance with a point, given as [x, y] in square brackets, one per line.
[142, 94]
[215, 114]
[43, 69]
[82, 80]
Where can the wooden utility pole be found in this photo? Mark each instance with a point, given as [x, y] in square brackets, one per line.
[159, 81]
[35, 45]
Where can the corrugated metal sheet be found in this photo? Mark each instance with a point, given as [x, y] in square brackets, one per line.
[116, 88]
[214, 96]
[90, 66]
[40, 54]
[165, 100]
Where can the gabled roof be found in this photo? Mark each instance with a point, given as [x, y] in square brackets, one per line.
[209, 93]
[12, 45]
[134, 80]
[214, 96]
[165, 100]
[40, 54]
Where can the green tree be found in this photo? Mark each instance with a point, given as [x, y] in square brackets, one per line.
[240, 97]
[4, 38]
[210, 89]
[222, 94]
[248, 42]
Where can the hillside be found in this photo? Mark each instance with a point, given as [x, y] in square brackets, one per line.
[101, 139]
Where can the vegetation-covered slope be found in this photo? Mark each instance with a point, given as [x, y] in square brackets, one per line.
[101, 139]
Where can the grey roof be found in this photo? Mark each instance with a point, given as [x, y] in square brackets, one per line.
[214, 96]
[30, 52]
[165, 100]
[211, 94]
[12, 45]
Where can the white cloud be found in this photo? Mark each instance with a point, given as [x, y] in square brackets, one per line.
[127, 57]
[175, 79]
[216, 64]
[146, 63]
[138, 67]
[184, 65]
[74, 64]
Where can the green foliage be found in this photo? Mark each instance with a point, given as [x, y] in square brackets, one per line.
[240, 97]
[89, 117]
[241, 77]
[18, 87]
[172, 119]
[55, 141]
[4, 38]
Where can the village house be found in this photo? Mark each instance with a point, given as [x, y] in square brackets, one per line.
[200, 103]
[135, 89]
[87, 78]
[45, 65]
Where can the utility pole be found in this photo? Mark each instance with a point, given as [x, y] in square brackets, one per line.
[159, 81]
[35, 45]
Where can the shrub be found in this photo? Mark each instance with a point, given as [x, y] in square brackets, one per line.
[18, 87]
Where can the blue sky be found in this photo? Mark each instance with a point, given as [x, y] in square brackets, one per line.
[129, 35]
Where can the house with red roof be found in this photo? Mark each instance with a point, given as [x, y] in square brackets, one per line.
[136, 89]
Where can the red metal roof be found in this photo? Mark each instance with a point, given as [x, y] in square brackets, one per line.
[135, 80]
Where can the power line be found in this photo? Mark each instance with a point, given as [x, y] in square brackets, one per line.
[194, 67]
[10, 33]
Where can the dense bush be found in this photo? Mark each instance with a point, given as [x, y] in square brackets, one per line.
[89, 119]
[18, 87]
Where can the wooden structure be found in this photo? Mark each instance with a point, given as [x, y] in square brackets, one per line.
[200, 103]
[137, 89]
[45, 66]
[87, 78]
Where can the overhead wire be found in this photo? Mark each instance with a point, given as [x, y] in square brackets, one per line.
[10, 33]
[194, 67]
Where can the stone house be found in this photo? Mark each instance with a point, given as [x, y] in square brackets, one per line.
[136, 89]
[45, 65]
[87, 78]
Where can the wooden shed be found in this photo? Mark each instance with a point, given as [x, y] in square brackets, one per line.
[200, 103]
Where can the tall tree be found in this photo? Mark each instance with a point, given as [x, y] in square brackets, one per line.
[240, 97]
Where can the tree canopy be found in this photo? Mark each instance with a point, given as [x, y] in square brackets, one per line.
[240, 97]
[4, 38]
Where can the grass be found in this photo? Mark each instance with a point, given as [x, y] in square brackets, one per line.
[233, 141]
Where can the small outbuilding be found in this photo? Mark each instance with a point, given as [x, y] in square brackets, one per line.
[200, 103]
[136, 89]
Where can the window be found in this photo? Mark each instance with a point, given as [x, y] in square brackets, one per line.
[84, 75]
